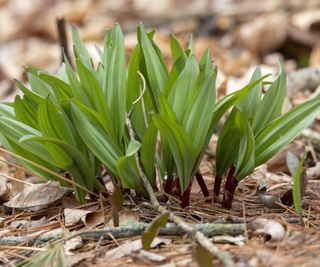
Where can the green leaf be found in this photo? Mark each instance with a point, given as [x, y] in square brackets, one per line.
[296, 192]
[176, 49]
[281, 131]
[128, 172]
[80, 50]
[251, 102]
[96, 138]
[133, 148]
[7, 111]
[271, 104]
[92, 89]
[180, 145]
[148, 151]
[25, 112]
[246, 158]
[198, 111]
[34, 98]
[157, 74]
[37, 85]
[182, 87]
[153, 229]
[114, 83]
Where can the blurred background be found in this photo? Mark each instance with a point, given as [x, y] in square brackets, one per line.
[240, 33]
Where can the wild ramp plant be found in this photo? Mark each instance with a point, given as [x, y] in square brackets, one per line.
[75, 121]
[255, 131]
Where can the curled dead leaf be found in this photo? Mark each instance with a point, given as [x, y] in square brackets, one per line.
[271, 229]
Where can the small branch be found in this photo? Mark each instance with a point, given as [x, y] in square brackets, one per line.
[135, 229]
[196, 235]
[63, 39]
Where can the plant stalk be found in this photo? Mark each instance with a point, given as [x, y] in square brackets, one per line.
[202, 184]
[217, 185]
[230, 187]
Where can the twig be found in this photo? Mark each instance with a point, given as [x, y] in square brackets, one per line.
[195, 234]
[135, 229]
[63, 39]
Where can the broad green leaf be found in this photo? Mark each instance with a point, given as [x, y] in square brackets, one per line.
[37, 85]
[251, 102]
[176, 49]
[245, 161]
[128, 172]
[92, 89]
[114, 84]
[132, 83]
[148, 152]
[284, 129]
[133, 148]
[180, 145]
[228, 144]
[96, 139]
[157, 74]
[153, 229]
[182, 87]
[34, 98]
[25, 112]
[198, 111]
[80, 50]
[7, 111]
[53, 124]
[271, 104]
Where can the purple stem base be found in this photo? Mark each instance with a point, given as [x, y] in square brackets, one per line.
[230, 187]
[202, 184]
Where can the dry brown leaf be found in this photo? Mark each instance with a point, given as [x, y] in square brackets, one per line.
[37, 197]
[132, 246]
[73, 244]
[73, 216]
[236, 240]
[271, 229]
[147, 256]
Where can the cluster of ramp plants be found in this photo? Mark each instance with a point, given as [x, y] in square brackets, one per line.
[75, 122]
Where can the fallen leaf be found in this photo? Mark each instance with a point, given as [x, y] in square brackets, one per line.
[38, 196]
[148, 256]
[73, 244]
[73, 216]
[132, 246]
[236, 240]
[271, 229]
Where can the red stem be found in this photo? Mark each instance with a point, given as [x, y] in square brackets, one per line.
[230, 187]
[202, 184]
